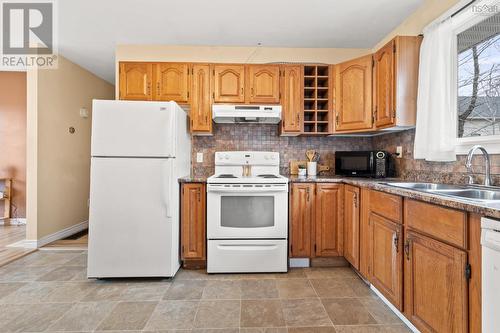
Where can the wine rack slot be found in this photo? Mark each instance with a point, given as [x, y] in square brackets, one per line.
[317, 97]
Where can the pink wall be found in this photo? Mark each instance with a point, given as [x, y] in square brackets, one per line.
[13, 136]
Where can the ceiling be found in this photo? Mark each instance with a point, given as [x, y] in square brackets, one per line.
[89, 30]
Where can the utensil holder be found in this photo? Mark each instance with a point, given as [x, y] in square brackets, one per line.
[312, 168]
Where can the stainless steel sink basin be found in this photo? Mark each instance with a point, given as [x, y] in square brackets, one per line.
[469, 192]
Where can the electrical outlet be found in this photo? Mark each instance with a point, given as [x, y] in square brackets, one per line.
[199, 157]
[399, 151]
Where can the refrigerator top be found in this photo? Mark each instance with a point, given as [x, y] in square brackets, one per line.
[135, 128]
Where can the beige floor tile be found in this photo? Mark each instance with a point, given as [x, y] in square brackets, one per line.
[329, 288]
[7, 288]
[324, 329]
[216, 330]
[145, 291]
[305, 312]
[128, 316]
[10, 311]
[295, 288]
[46, 258]
[360, 288]
[193, 274]
[347, 311]
[62, 273]
[380, 311]
[330, 273]
[23, 273]
[218, 314]
[79, 260]
[35, 292]
[70, 291]
[222, 289]
[83, 317]
[261, 313]
[259, 289]
[173, 315]
[264, 330]
[293, 273]
[185, 289]
[36, 317]
[373, 329]
[105, 291]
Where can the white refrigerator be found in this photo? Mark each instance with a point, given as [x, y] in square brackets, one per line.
[139, 150]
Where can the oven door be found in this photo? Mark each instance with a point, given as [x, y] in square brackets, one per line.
[239, 211]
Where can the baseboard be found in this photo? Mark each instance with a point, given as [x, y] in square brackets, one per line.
[34, 244]
[393, 308]
[14, 221]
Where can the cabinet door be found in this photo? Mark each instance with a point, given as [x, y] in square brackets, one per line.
[201, 108]
[291, 99]
[387, 259]
[328, 222]
[365, 252]
[135, 81]
[228, 83]
[263, 84]
[353, 95]
[385, 113]
[351, 224]
[172, 82]
[302, 216]
[193, 221]
[435, 285]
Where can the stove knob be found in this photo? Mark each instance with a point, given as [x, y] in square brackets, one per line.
[272, 157]
[226, 156]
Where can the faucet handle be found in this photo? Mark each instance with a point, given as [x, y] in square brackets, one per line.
[470, 179]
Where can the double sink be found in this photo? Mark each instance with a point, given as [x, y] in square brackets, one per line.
[481, 194]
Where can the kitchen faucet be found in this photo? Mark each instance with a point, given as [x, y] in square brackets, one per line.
[468, 165]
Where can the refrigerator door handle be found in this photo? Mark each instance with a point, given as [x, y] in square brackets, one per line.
[167, 186]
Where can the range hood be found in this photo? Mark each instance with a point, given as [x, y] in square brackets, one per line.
[233, 114]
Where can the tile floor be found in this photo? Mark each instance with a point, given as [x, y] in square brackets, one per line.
[47, 291]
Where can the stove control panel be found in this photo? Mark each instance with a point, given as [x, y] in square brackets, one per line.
[247, 158]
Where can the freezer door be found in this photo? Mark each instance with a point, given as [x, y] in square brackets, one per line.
[134, 128]
[132, 209]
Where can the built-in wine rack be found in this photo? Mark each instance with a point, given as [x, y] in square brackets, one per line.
[317, 99]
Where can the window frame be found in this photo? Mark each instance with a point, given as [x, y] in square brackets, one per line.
[461, 22]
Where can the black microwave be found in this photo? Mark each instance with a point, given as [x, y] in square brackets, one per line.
[373, 163]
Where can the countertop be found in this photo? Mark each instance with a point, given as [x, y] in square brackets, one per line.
[378, 184]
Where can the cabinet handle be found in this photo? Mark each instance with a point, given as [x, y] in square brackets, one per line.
[241, 91]
[298, 118]
[199, 195]
[407, 249]
[337, 120]
[355, 200]
[148, 88]
[307, 192]
[158, 88]
[396, 241]
[251, 91]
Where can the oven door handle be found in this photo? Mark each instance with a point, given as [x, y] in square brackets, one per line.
[246, 247]
[246, 190]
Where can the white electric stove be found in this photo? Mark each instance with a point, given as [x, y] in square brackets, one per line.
[247, 214]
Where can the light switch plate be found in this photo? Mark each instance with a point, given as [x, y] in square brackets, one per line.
[84, 113]
[199, 157]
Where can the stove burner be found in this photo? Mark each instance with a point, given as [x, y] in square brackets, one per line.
[268, 176]
[225, 175]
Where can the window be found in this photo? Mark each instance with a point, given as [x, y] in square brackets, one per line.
[478, 81]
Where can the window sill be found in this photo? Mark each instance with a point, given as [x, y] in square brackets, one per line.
[491, 144]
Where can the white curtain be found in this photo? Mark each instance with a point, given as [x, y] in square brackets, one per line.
[435, 136]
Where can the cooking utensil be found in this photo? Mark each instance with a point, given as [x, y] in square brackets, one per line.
[310, 155]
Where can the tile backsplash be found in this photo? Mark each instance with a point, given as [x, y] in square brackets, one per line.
[228, 137]
[420, 170]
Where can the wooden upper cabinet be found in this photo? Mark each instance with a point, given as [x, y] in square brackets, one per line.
[351, 224]
[395, 82]
[228, 83]
[302, 219]
[353, 95]
[387, 259]
[328, 226]
[385, 113]
[193, 217]
[291, 99]
[136, 80]
[436, 290]
[201, 106]
[263, 84]
[172, 82]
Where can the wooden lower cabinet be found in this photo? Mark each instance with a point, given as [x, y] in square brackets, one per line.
[328, 221]
[387, 258]
[316, 220]
[436, 292]
[351, 224]
[302, 218]
[193, 221]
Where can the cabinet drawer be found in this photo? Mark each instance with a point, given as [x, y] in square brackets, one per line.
[446, 224]
[387, 205]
